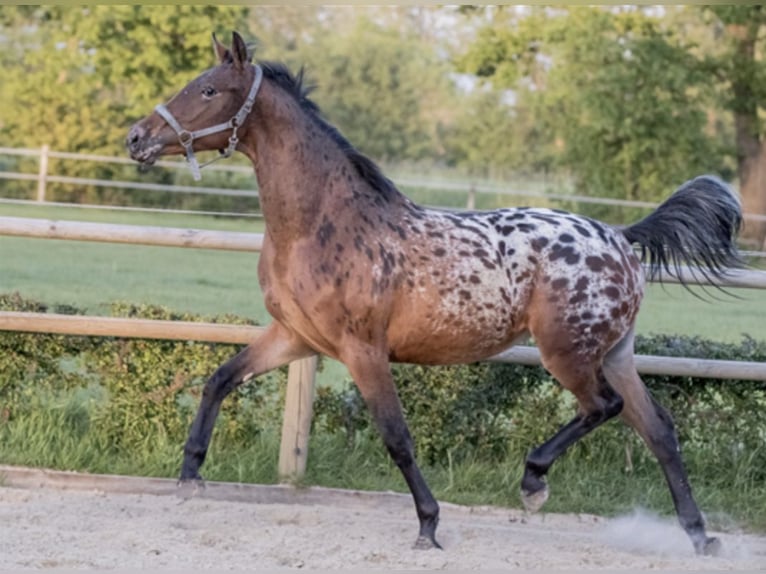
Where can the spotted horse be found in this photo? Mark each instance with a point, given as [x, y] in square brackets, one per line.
[353, 269]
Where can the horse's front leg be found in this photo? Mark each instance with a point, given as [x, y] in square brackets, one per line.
[369, 366]
[275, 347]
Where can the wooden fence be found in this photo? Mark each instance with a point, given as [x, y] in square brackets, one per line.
[470, 187]
[301, 375]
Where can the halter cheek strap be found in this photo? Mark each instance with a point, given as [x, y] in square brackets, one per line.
[186, 138]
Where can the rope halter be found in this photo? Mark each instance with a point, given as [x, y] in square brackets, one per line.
[186, 138]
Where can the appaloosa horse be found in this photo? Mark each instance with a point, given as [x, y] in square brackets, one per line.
[353, 269]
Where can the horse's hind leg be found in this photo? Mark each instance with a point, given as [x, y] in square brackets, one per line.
[273, 348]
[655, 426]
[371, 372]
[598, 403]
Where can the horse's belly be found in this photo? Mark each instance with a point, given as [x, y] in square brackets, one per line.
[460, 326]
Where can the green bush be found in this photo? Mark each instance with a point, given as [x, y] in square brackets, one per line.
[491, 412]
[139, 389]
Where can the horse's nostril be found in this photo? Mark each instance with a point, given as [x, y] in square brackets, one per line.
[134, 137]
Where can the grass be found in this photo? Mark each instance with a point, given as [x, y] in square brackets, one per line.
[586, 479]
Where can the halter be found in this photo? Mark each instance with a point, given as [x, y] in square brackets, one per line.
[186, 138]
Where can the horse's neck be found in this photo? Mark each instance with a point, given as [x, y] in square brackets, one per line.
[299, 168]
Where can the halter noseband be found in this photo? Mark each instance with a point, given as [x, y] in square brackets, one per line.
[186, 138]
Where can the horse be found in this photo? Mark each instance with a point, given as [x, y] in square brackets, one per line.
[353, 269]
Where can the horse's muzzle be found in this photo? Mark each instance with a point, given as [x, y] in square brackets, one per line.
[140, 145]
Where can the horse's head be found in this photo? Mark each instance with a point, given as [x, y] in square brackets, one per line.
[204, 115]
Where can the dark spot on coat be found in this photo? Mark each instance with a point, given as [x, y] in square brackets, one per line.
[582, 283]
[545, 218]
[538, 243]
[566, 238]
[559, 283]
[581, 230]
[600, 229]
[439, 252]
[526, 227]
[325, 232]
[594, 263]
[480, 253]
[578, 297]
[464, 294]
[507, 229]
[567, 253]
[600, 328]
[474, 279]
[398, 229]
[612, 292]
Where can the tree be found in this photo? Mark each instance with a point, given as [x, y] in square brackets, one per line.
[384, 88]
[76, 78]
[742, 72]
[617, 93]
[81, 75]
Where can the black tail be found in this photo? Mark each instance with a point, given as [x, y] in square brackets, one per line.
[696, 226]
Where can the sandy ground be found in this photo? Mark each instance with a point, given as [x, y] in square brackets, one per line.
[44, 528]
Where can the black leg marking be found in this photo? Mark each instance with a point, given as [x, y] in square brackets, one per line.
[396, 436]
[533, 487]
[663, 442]
[217, 388]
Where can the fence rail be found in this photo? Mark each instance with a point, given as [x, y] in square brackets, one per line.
[242, 334]
[301, 375]
[470, 187]
[239, 241]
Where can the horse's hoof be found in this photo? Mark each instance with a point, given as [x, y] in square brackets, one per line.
[426, 543]
[190, 487]
[711, 547]
[534, 501]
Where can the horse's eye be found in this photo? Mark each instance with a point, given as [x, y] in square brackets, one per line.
[209, 91]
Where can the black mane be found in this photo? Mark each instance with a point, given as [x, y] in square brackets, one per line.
[293, 84]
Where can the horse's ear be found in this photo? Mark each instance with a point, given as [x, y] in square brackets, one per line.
[239, 51]
[221, 51]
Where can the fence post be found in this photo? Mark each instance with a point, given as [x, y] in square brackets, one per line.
[471, 203]
[43, 174]
[296, 425]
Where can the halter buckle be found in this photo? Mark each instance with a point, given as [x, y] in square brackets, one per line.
[186, 138]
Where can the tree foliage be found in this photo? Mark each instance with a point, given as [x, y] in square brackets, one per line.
[77, 77]
[385, 88]
[618, 95]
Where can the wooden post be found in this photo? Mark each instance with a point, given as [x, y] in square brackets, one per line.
[42, 174]
[471, 203]
[296, 426]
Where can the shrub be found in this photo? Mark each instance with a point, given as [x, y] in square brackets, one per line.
[140, 393]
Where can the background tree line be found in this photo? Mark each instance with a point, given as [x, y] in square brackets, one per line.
[625, 102]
